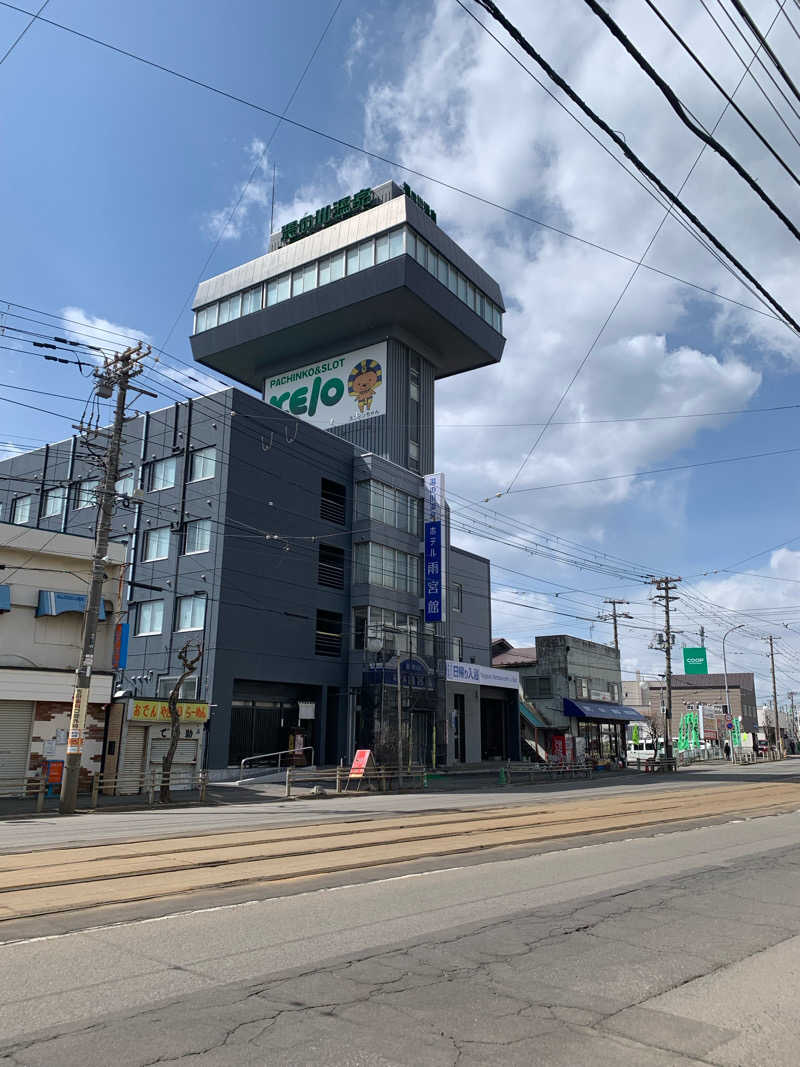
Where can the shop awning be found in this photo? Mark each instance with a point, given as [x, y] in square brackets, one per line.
[528, 713]
[599, 711]
[52, 602]
[5, 598]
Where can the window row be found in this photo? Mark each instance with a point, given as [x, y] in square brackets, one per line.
[196, 537]
[331, 268]
[381, 629]
[384, 503]
[190, 614]
[458, 284]
[160, 474]
[389, 567]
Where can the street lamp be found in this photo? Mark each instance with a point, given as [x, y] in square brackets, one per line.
[725, 671]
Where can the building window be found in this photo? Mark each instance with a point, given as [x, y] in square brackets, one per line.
[197, 536]
[389, 567]
[613, 689]
[582, 688]
[54, 500]
[191, 612]
[207, 318]
[21, 510]
[156, 544]
[86, 494]
[385, 630]
[331, 566]
[251, 300]
[458, 649]
[396, 243]
[413, 455]
[203, 464]
[230, 308]
[162, 474]
[540, 688]
[187, 691]
[124, 485]
[393, 507]
[333, 499]
[458, 597]
[279, 289]
[328, 634]
[150, 617]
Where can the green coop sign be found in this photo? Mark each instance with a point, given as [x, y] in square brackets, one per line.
[695, 661]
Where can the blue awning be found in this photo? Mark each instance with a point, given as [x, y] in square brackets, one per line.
[599, 711]
[55, 603]
[5, 598]
[528, 713]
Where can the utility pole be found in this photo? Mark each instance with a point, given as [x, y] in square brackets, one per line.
[614, 616]
[702, 636]
[778, 743]
[791, 695]
[116, 374]
[664, 596]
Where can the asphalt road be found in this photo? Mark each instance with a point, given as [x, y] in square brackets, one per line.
[677, 947]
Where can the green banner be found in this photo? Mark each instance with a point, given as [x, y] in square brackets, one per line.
[695, 661]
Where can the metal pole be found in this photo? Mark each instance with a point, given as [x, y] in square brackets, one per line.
[778, 743]
[668, 636]
[399, 728]
[117, 373]
[727, 697]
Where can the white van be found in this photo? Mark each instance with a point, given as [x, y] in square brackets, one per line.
[643, 750]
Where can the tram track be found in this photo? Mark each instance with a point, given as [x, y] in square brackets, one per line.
[57, 880]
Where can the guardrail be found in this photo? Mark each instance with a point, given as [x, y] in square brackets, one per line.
[288, 752]
[146, 784]
[387, 778]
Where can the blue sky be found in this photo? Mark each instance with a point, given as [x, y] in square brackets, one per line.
[114, 178]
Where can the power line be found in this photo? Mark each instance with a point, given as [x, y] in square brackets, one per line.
[760, 37]
[656, 470]
[742, 60]
[495, 12]
[671, 97]
[25, 29]
[256, 165]
[380, 158]
[731, 102]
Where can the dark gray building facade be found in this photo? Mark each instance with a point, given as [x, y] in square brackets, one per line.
[285, 534]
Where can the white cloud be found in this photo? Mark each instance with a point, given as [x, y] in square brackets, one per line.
[250, 197]
[359, 36]
[94, 330]
[462, 110]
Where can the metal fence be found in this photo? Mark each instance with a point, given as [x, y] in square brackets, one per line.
[100, 787]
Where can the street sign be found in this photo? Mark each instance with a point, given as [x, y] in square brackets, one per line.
[695, 661]
[728, 725]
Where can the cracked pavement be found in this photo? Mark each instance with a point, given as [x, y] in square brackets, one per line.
[678, 948]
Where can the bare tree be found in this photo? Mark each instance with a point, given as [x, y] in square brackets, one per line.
[651, 734]
[190, 656]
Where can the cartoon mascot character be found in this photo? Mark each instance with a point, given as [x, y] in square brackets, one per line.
[365, 379]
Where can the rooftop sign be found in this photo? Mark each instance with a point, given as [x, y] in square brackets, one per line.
[327, 216]
[419, 201]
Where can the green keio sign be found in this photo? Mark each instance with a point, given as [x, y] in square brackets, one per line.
[695, 661]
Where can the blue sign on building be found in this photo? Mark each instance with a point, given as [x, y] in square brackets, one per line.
[433, 572]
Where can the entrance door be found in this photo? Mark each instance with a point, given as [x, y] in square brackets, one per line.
[459, 724]
[493, 729]
[16, 719]
[259, 728]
